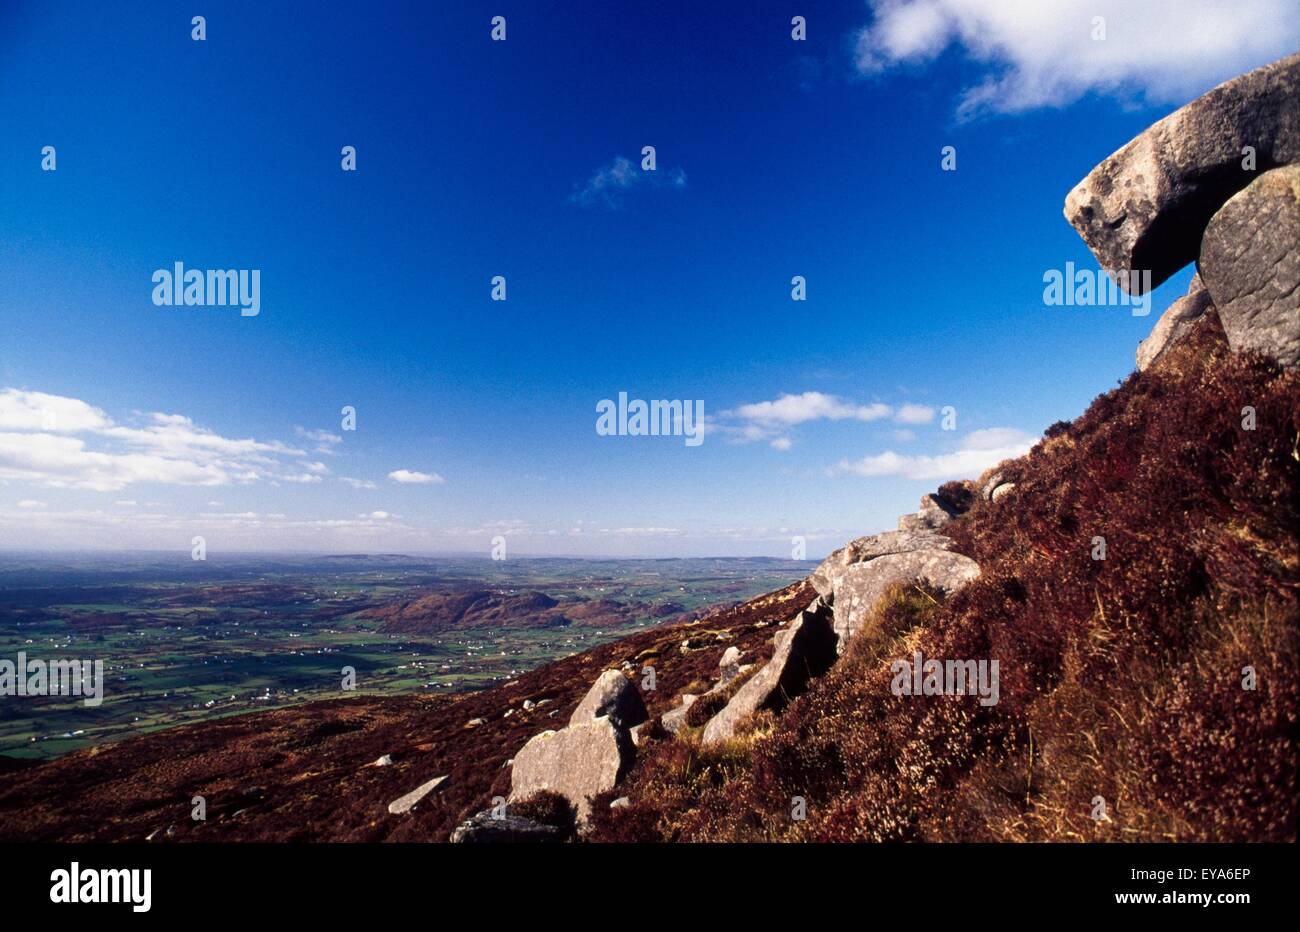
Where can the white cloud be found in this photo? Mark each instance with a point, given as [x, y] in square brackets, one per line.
[770, 420]
[358, 483]
[1044, 54]
[376, 515]
[808, 406]
[30, 503]
[23, 410]
[914, 414]
[414, 477]
[65, 462]
[976, 452]
[62, 442]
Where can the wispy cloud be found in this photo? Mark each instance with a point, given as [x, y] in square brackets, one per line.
[324, 440]
[1040, 54]
[771, 421]
[609, 185]
[975, 452]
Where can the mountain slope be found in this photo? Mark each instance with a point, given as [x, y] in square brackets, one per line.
[306, 773]
[1121, 678]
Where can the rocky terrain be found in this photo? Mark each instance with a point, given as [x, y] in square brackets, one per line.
[1136, 576]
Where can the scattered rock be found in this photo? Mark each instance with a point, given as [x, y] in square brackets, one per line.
[823, 578]
[862, 584]
[612, 695]
[475, 722]
[675, 720]
[485, 828]
[1250, 260]
[1146, 206]
[1175, 323]
[986, 491]
[383, 761]
[407, 802]
[729, 666]
[529, 705]
[577, 762]
[1000, 490]
[620, 803]
[805, 649]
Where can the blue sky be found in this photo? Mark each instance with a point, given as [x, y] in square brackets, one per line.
[475, 158]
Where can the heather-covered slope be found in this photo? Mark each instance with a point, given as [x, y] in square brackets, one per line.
[1121, 678]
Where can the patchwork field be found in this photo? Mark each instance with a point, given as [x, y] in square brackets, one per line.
[183, 641]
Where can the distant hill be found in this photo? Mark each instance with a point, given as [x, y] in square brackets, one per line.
[487, 608]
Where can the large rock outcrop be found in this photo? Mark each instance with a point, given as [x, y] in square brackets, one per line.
[612, 695]
[1145, 207]
[861, 585]
[1250, 261]
[823, 578]
[805, 649]
[577, 762]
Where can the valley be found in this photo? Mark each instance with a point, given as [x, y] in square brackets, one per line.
[184, 641]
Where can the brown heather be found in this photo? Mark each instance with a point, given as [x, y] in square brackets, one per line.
[1120, 678]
